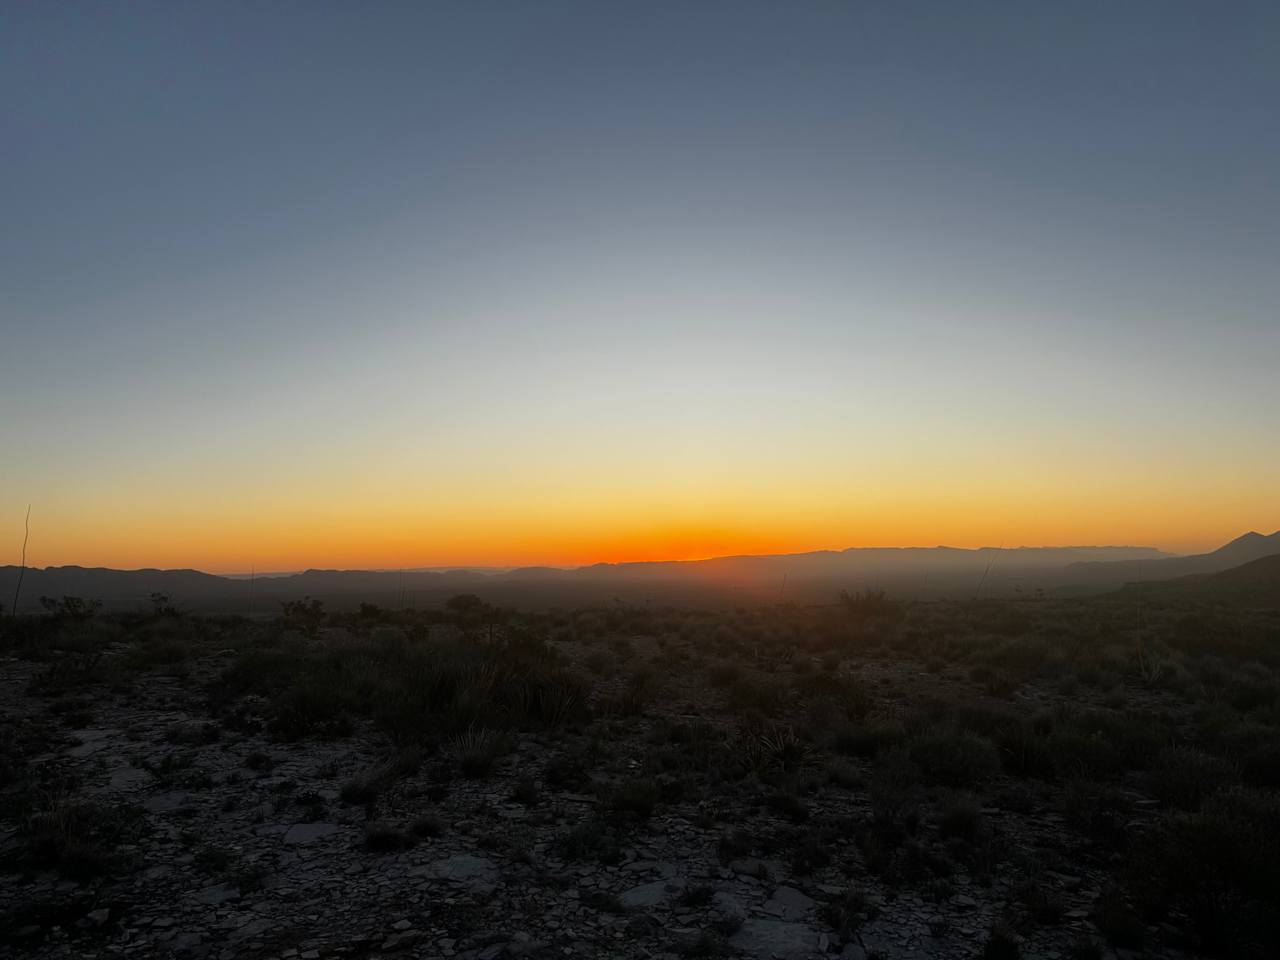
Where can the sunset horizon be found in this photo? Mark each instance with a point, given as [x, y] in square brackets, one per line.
[369, 560]
[477, 286]
[732, 479]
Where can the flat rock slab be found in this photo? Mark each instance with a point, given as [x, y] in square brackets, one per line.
[124, 779]
[91, 741]
[662, 868]
[307, 832]
[216, 894]
[253, 928]
[777, 940]
[729, 905]
[649, 894]
[459, 869]
[164, 802]
[789, 904]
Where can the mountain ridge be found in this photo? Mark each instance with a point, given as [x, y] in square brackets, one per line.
[813, 576]
[1255, 583]
[807, 576]
[1233, 553]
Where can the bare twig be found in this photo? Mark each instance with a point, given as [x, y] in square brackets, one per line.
[22, 570]
[990, 563]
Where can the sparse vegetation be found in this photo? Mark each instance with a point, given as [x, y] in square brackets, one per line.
[801, 751]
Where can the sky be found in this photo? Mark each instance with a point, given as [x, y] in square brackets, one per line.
[381, 284]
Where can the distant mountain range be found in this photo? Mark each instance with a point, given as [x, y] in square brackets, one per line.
[817, 577]
[1254, 584]
[1251, 546]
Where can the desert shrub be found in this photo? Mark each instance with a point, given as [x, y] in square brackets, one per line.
[159, 645]
[1001, 943]
[259, 761]
[846, 694]
[722, 674]
[734, 845]
[428, 825]
[959, 818]
[765, 697]
[1042, 904]
[1261, 765]
[698, 895]
[567, 772]
[415, 692]
[1220, 867]
[810, 850]
[1078, 755]
[69, 671]
[775, 748]
[1026, 751]
[867, 739]
[895, 813]
[70, 609]
[590, 840]
[315, 707]
[264, 671]
[633, 799]
[526, 792]
[191, 732]
[1255, 694]
[1182, 777]
[638, 692]
[1097, 810]
[1084, 947]
[476, 750]
[77, 836]
[870, 605]
[305, 615]
[845, 775]
[981, 717]
[788, 805]
[955, 759]
[360, 789]
[846, 912]
[366, 786]
[1119, 923]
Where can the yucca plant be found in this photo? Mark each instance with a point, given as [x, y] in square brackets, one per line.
[476, 749]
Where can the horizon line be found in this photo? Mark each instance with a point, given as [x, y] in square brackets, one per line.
[498, 569]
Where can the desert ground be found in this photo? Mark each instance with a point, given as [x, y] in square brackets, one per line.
[866, 778]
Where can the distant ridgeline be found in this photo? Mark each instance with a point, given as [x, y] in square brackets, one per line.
[818, 577]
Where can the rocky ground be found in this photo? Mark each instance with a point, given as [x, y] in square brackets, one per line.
[226, 841]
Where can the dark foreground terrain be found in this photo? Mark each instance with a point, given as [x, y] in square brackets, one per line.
[1055, 779]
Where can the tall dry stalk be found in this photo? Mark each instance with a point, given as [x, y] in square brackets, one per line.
[22, 570]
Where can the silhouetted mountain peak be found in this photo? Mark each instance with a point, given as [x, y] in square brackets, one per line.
[1251, 545]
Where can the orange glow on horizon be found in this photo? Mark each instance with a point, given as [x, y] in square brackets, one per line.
[381, 511]
[292, 543]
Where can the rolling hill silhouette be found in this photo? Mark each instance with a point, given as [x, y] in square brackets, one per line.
[805, 577]
[1251, 546]
[815, 577]
[1254, 584]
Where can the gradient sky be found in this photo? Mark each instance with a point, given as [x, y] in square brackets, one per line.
[378, 284]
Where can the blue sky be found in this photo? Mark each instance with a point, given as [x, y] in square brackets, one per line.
[785, 272]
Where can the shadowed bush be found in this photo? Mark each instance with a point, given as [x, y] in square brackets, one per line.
[77, 836]
[1183, 777]
[414, 691]
[955, 759]
[1220, 867]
